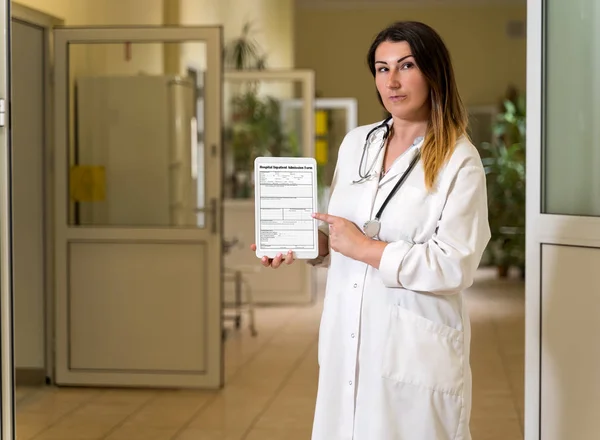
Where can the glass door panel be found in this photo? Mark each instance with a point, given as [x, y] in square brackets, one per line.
[138, 208]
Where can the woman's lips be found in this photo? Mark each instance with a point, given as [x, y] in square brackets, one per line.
[397, 98]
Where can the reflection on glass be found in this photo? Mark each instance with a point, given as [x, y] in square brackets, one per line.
[136, 135]
[257, 125]
[572, 108]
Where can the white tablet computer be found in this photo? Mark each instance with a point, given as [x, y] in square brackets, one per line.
[285, 198]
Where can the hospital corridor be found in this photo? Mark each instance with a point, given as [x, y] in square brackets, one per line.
[160, 159]
[271, 383]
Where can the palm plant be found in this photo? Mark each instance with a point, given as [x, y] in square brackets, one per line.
[256, 128]
[243, 52]
[504, 162]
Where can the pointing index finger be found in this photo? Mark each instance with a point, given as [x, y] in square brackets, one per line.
[324, 217]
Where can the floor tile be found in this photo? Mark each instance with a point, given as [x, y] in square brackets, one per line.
[271, 383]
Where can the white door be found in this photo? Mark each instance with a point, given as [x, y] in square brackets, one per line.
[563, 221]
[138, 269]
[7, 398]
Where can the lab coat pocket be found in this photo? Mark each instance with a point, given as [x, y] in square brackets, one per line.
[423, 353]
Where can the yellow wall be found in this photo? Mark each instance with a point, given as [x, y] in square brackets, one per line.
[99, 12]
[272, 25]
[57, 8]
[108, 58]
[334, 42]
[272, 21]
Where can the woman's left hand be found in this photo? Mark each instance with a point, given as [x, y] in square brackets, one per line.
[344, 236]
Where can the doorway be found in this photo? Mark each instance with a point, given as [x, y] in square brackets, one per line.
[31, 133]
[102, 204]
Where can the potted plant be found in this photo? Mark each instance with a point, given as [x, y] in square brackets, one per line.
[255, 128]
[504, 162]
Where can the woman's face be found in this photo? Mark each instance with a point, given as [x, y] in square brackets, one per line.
[403, 88]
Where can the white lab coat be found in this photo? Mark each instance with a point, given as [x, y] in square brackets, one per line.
[394, 342]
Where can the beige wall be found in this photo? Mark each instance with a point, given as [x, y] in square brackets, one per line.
[272, 24]
[272, 21]
[98, 12]
[100, 59]
[335, 43]
[57, 8]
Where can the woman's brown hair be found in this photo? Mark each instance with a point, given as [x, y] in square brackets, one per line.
[448, 119]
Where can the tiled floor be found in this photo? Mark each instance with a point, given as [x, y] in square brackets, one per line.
[271, 384]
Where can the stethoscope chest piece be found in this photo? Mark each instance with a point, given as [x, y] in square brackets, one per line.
[372, 228]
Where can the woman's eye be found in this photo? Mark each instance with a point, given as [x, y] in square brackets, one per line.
[407, 66]
[382, 69]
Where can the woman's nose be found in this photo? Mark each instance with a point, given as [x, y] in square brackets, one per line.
[393, 82]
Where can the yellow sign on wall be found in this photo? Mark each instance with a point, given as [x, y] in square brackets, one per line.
[321, 144]
[87, 183]
[321, 151]
[321, 123]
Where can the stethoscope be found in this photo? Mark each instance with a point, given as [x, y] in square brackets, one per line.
[372, 227]
[378, 134]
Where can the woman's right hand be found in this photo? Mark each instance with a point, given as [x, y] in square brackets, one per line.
[277, 261]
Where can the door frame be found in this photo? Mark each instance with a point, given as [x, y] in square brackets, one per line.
[64, 232]
[304, 76]
[244, 208]
[348, 104]
[7, 394]
[533, 209]
[47, 23]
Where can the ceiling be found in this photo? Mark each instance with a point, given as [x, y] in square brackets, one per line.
[355, 4]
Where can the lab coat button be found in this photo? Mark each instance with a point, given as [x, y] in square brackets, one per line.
[352, 335]
[355, 285]
[350, 383]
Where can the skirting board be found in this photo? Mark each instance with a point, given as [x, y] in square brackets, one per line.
[29, 377]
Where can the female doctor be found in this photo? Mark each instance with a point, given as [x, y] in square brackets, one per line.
[404, 234]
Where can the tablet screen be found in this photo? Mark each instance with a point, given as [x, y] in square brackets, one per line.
[286, 190]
